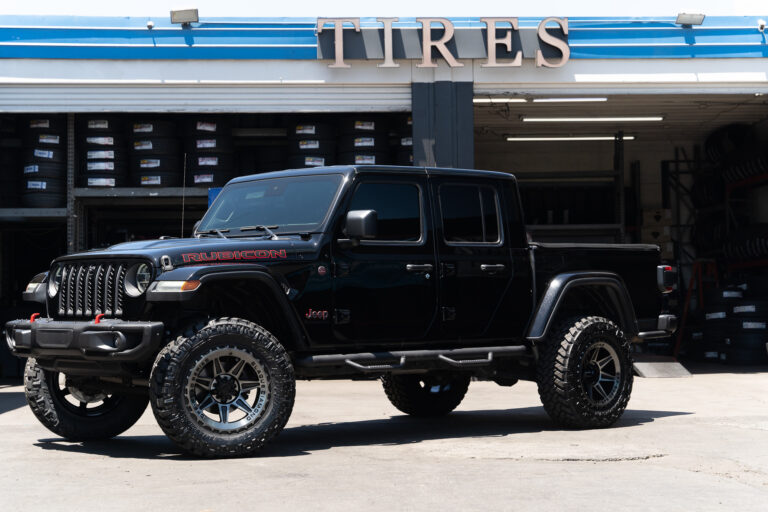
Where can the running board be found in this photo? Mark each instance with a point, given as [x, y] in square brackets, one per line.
[372, 362]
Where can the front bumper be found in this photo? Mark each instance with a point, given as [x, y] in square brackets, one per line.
[108, 340]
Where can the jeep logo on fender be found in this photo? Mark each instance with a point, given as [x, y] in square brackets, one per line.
[255, 254]
[313, 314]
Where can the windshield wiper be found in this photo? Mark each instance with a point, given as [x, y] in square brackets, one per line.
[259, 227]
[219, 232]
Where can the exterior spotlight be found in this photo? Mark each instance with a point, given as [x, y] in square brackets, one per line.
[687, 20]
[184, 16]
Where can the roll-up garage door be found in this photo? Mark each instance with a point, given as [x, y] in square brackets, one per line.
[58, 97]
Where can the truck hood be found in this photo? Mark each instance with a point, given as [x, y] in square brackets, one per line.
[209, 250]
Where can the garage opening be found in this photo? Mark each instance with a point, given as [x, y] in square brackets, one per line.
[686, 172]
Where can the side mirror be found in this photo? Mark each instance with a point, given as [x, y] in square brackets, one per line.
[197, 225]
[362, 224]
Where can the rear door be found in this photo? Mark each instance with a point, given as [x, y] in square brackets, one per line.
[474, 264]
[385, 289]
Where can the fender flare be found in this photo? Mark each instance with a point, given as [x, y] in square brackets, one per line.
[562, 284]
[212, 273]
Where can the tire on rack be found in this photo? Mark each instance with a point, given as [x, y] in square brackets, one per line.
[584, 373]
[431, 394]
[98, 415]
[226, 391]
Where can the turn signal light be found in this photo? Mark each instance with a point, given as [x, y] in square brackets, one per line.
[190, 285]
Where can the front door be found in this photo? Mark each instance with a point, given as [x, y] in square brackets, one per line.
[385, 289]
[474, 259]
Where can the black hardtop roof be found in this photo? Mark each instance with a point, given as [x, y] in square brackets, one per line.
[348, 170]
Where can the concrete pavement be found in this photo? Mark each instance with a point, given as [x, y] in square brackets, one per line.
[699, 443]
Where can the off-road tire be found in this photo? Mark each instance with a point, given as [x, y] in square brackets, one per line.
[171, 388]
[426, 395]
[60, 417]
[564, 375]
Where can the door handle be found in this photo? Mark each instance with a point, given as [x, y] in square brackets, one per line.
[413, 267]
[498, 267]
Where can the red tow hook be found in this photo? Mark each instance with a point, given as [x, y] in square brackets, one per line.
[33, 317]
[98, 318]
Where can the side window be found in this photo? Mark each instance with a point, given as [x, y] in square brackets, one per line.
[398, 207]
[470, 214]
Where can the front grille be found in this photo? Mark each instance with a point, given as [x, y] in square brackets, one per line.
[92, 288]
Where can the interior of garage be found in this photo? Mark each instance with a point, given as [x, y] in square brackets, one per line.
[686, 172]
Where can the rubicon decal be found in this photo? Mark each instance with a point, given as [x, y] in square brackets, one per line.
[256, 254]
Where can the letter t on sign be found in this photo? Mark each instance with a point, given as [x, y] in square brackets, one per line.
[338, 37]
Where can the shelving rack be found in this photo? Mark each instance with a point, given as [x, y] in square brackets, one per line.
[612, 230]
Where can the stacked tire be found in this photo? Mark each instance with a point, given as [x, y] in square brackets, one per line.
[311, 144]
[10, 162]
[102, 158]
[209, 151]
[403, 143]
[155, 154]
[736, 325]
[271, 157]
[363, 141]
[45, 162]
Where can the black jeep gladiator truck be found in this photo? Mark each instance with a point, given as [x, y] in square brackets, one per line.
[421, 277]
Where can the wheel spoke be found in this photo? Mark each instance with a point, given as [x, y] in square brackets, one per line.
[241, 404]
[83, 406]
[217, 368]
[224, 413]
[599, 388]
[203, 382]
[238, 368]
[604, 361]
[247, 385]
[206, 403]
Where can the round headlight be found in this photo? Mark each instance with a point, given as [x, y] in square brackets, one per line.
[54, 281]
[137, 279]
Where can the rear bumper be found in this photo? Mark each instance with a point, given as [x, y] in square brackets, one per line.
[108, 340]
[665, 326]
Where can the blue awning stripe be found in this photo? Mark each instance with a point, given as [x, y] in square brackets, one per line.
[76, 37]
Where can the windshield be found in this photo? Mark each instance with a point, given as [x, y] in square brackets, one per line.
[295, 204]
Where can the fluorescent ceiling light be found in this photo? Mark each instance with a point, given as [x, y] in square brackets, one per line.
[591, 119]
[566, 138]
[499, 100]
[689, 19]
[568, 100]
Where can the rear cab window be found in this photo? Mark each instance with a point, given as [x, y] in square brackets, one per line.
[469, 214]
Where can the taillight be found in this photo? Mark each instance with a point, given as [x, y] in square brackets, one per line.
[666, 278]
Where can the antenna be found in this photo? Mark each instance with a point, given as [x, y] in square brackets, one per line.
[183, 194]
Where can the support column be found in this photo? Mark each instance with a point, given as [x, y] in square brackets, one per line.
[443, 124]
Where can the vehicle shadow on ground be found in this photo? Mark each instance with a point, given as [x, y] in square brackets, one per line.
[12, 400]
[398, 430]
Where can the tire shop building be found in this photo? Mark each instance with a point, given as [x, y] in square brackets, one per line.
[618, 129]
